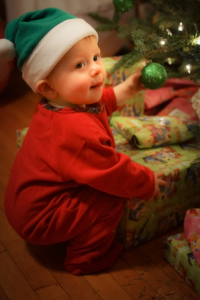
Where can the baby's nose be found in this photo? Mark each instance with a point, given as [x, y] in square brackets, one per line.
[96, 69]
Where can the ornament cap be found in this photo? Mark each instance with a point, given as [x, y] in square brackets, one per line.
[7, 50]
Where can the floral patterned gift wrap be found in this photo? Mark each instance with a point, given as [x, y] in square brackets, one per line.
[143, 220]
[192, 231]
[178, 253]
[153, 131]
[195, 101]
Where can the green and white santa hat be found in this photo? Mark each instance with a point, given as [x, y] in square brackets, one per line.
[39, 40]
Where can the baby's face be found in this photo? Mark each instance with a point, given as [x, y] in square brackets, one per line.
[79, 77]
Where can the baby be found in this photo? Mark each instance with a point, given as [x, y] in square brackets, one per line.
[68, 183]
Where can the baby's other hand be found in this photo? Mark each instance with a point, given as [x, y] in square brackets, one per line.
[158, 182]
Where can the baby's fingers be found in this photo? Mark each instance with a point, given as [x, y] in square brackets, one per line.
[162, 182]
[159, 174]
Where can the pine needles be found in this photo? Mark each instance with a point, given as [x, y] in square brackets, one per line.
[161, 25]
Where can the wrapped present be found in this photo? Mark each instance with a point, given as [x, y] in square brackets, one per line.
[148, 132]
[192, 231]
[195, 101]
[178, 253]
[143, 220]
[180, 107]
[178, 83]
[154, 98]
[166, 99]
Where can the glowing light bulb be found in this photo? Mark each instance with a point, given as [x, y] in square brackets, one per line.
[188, 67]
[198, 41]
[180, 27]
[169, 60]
[162, 42]
[168, 31]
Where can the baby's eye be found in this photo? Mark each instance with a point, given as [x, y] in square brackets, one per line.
[80, 65]
[96, 57]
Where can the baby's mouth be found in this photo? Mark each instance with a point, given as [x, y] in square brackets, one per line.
[98, 85]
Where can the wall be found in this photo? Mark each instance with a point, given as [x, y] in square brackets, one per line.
[108, 41]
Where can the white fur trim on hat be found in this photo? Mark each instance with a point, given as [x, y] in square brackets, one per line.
[52, 47]
[7, 50]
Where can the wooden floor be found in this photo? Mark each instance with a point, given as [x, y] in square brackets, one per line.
[32, 272]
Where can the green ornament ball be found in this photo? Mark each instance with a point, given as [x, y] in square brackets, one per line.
[123, 5]
[153, 76]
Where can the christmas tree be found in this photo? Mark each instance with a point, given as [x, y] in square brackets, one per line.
[169, 36]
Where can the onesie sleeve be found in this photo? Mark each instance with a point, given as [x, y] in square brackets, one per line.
[109, 98]
[95, 163]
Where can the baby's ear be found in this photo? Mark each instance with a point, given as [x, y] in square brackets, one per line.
[44, 88]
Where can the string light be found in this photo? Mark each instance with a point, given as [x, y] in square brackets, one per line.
[168, 31]
[180, 27]
[169, 60]
[198, 41]
[188, 67]
[162, 42]
[194, 53]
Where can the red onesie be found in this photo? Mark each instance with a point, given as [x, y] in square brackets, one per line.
[68, 184]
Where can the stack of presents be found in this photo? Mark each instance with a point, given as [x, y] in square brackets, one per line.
[154, 129]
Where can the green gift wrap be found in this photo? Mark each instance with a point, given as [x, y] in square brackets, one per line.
[153, 131]
[143, 220]
[178, 253]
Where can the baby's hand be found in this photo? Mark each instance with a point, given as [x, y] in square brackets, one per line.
[128, 88]
[158, 182]
[134, 82]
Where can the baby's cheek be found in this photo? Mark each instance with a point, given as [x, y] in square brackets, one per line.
[79, 83]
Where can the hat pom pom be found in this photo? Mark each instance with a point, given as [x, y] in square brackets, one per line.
[7, 50]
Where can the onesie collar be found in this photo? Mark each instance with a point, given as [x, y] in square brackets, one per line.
[95, 108]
